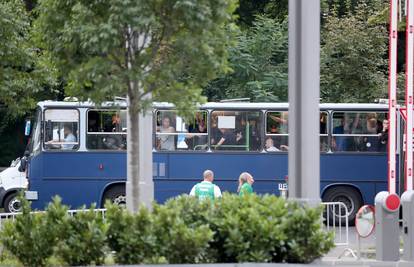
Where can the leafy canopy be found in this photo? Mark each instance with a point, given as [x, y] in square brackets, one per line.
[170, 48]
[259, 64]
[23, 74]
[352, 59]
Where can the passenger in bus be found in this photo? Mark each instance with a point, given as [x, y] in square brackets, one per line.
[206, 189]
[341, 143]
[282, 121]
[197, 142]
[228, 138]
[270, 146]
[255, 138]
[372, 143]
[245, 184]
[166, 140]
[383, 137]
[215, 132]
[69, 137]
[115, 125]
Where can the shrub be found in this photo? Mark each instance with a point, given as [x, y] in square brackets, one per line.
[84, 240]
[307, 240]
[131, 236]
[177, 241]
[31, 238]
[157, 237]
[257, 228]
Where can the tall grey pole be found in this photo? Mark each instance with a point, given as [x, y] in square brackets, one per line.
[304, 51]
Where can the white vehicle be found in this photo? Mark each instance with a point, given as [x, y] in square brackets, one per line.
[11, 183]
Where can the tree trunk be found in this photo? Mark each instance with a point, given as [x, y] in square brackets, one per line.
[133, 159]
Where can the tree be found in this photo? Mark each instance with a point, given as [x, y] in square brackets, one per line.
[23, 75]
[164, 48]
[353, 64]
[259, 64]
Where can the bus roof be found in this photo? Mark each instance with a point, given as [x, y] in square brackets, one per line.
[219, 105]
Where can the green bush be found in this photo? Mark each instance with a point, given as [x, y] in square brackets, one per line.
[31, 237]
[157, 237]
[131, 236]
[183, 230]
[257, 228]
[84, 239]
[179, 242]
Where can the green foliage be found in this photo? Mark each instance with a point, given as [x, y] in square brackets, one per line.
[255, 228]
[178, 242]
[168, 48]
[23, 74]
[232, 229]
[31, 237]
[161, 236]
[83, 240]
[259, 64]
[352, 59]
[131, 236]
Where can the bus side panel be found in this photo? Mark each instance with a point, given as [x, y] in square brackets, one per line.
[367, 172]
[70, 175]
[186, 169]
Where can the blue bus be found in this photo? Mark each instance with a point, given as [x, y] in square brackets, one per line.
[78, 150]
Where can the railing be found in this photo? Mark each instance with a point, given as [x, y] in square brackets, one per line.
[336, 219]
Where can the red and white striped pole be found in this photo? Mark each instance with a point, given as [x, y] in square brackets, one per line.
[392, 94]
[409, 96]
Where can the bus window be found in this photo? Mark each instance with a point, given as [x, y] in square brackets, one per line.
[236, 130]
[107, 130]
[176, 133]
[323, 131]
[357, 131]
[61, 129]
[276, 131]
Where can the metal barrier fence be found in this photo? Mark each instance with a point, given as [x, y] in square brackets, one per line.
[335, 218]
[12, 216]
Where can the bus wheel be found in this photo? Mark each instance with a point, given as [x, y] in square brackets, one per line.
[116, 195]
[12, 203]
[347, 195]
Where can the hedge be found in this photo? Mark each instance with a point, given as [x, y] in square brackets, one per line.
[183, 230]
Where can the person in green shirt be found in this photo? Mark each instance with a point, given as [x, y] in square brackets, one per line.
[206, 189]
[245, 184]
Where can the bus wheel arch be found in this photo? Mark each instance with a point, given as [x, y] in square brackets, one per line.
[349, 194]
[11, 203]
[115, 193]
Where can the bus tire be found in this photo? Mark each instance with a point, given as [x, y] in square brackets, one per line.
[12, 203]
[116, 195]
[347, 195]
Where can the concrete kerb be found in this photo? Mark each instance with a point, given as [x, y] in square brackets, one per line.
[362, 262]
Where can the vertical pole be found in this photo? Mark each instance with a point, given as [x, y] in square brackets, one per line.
[304, 41]
[146, 183]
[409, 97]
[392, 94]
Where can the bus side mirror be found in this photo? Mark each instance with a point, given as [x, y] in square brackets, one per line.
[27, 127]
[23, 161]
